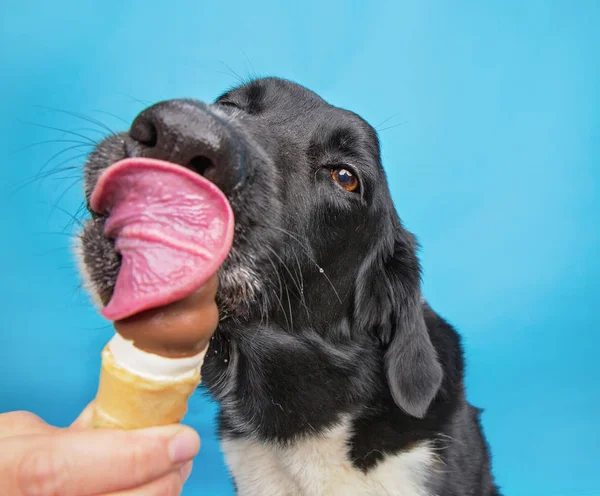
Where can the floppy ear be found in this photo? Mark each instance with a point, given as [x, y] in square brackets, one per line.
[388, 301]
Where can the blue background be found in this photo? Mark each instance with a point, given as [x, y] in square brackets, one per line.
[489, 115]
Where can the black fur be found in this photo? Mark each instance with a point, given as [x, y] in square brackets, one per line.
[320, 296]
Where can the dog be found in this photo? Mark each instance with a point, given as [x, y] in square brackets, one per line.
[332, 373]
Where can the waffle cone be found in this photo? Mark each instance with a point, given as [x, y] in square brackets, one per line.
[128, 401]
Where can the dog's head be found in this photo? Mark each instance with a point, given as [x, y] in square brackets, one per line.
[317, 243]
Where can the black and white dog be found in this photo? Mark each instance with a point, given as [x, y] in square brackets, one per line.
[333, 375]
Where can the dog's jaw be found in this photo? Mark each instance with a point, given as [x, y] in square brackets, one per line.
[239, 283]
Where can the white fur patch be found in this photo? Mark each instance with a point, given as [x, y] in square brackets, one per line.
[319, 466]
[241, 281]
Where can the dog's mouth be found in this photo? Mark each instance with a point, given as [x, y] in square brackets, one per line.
[171, 227]
[110, 247]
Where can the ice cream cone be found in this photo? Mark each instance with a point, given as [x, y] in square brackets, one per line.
[127, 400]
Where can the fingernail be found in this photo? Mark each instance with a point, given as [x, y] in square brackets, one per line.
[186, 471]
[184, 446]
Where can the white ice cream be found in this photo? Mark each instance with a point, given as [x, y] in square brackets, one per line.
[150, 365]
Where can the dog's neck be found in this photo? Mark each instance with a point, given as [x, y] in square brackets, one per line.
[266, 380]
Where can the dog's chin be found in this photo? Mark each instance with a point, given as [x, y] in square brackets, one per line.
[99, 263]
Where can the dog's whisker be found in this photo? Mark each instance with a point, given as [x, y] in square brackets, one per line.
[68, 214]
[79, 116]
[280, 304]
[392, 127]
[81, 210]
[69, 159]
[41, 175]
[296, 237]
[127, 123]
[228, 74]
[284, 265]
[145, 103]
[100, 328]
[101, 132]
[53, 233]
[301, 278]
[62, 178]
[54, 172]
[232, 73]
[299, 286]
[287, 292]
[264, 306]
[39, 178]
[276, 272]
[386, 120]
[45, 142]
[58, 154]
[250, 67]
[279, 297]
[321, 270]
[264, 303]
[61, 130]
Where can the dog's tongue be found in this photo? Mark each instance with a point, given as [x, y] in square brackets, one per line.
[172, 227]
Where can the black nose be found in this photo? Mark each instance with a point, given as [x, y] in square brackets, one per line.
[185, 132]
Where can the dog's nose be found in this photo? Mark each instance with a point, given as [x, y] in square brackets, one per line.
[185, 132]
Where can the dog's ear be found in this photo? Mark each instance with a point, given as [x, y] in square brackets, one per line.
[388, 302]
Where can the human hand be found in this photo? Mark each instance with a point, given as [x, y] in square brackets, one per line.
[39, 459]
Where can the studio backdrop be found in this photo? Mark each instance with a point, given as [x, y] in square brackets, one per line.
[489, 119]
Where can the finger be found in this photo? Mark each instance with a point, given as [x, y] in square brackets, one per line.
[169, 485]
[86, 462]
[186, 470]
[84, 421]
[21, 424]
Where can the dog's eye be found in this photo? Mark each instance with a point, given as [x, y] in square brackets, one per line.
[345, 179]
[229, 104]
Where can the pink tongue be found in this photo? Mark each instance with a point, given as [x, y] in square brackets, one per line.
[172, 227]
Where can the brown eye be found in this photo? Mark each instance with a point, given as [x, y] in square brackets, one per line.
[345, 179]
